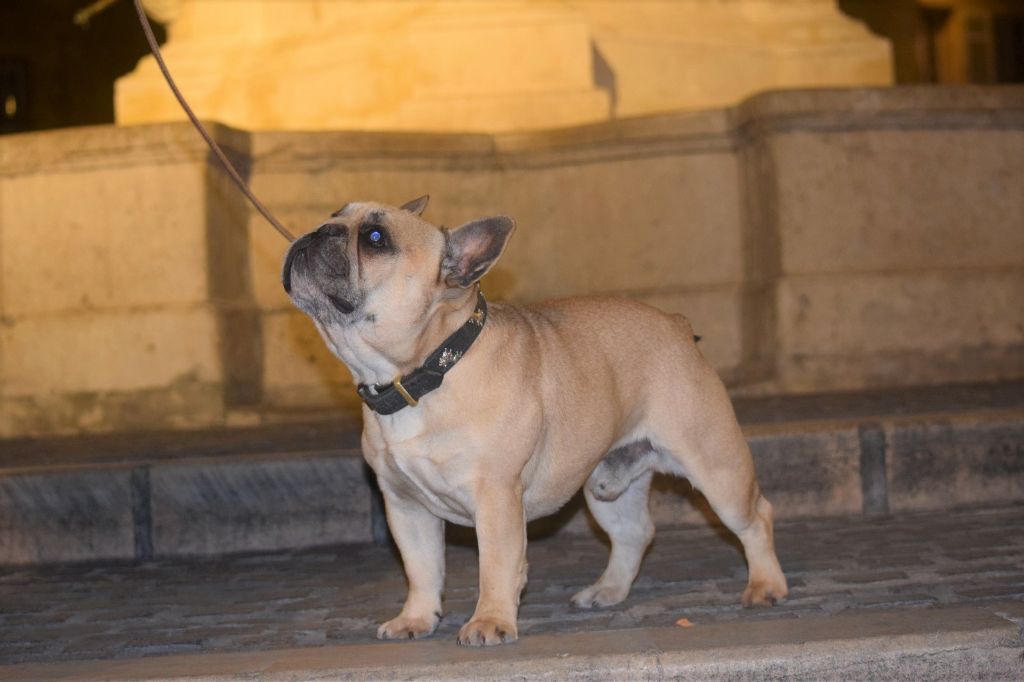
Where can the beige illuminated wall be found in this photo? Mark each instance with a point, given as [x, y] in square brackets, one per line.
[471, 65]
[818, 241]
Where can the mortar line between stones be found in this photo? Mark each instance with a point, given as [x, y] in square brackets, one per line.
[873, 477]
[142, 513]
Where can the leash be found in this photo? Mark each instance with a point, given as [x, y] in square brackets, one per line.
[214, 147]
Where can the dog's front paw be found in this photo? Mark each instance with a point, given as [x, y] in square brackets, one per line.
[487, 632]
[406, 627]
[598, 595]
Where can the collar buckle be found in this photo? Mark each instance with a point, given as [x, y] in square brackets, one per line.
[428, 376]
[409, 400]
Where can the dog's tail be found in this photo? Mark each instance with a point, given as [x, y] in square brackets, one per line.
[687, 328]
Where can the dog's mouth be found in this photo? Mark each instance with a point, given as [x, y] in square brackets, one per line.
[311, 263]
[340, 304]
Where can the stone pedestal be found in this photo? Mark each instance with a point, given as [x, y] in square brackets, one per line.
[467, 65]
[702, 54]
[295, 64]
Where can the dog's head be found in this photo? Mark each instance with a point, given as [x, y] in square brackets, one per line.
[374, 275]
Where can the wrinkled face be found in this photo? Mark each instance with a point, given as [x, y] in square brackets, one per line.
[369, 265]
[372, 278]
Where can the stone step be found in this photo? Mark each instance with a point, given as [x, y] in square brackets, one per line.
[958, 643]
[905, 596]
[288, 486]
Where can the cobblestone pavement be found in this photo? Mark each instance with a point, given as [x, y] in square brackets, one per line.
[337, 595]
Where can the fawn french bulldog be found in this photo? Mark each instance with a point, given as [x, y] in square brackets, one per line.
[492, 415]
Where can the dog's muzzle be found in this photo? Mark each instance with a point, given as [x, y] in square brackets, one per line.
[319, 258]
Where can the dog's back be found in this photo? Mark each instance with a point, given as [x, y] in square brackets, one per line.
[594, 345]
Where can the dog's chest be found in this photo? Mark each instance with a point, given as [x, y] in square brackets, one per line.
[430, 467]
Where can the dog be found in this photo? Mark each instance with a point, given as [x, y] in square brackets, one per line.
[492, 415]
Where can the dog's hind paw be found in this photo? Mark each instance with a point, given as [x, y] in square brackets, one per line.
[763, 594]
[405, 627]
[598, 595]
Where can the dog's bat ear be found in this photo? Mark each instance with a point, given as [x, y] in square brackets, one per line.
[416, 206]
[471, 250]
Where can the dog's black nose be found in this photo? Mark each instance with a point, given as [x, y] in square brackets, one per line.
[332, 230]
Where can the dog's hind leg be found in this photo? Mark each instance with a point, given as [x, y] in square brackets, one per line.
[713, 454]
[627, 521]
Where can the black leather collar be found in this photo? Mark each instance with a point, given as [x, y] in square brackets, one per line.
[406, 391]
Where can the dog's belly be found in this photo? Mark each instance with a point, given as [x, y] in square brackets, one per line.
[455, 502]
[444, 485]
[542, 503]
[545, 494]
[442, 468]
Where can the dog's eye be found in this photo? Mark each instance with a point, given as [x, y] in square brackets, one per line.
[375, 238]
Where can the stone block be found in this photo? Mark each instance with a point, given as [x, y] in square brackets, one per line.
[103, 217]
[633, 225]
[299, 371]
[184, 403]
[941, 463]
[498, 35]
[88, 240]
[119, 350]
[861, 330]
[855, 200]
[812, 472]
[250, 504]
[117, 369]
[63, 516]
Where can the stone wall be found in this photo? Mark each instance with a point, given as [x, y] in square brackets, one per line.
[900, 221]
[110, 317]
[819, 240]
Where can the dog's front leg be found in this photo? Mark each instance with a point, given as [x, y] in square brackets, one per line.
[501, 538]
[420, 539]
